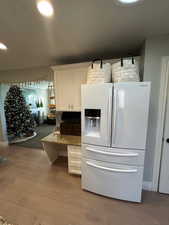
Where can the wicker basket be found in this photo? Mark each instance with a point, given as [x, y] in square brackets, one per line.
[125, 70]
[99, 72]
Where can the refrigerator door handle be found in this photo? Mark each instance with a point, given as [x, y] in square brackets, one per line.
[109, 116]
[111, 169]
[113, 153]
[114, 116]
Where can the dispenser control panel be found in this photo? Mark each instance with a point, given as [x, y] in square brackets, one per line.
[92, 122]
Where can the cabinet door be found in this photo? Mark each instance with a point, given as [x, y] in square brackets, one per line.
[68, 88]
[79, 77]
[63, 90]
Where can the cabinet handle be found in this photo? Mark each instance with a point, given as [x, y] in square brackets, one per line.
[70, 106]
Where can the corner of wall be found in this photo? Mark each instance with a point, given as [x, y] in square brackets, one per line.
[147, 185]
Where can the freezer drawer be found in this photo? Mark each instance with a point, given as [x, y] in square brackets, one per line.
[112, 180]
[115, 155]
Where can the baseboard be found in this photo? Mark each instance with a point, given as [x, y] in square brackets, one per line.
[4, 143]
[147, 186]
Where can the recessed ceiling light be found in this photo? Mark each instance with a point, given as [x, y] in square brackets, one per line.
[128, 2]
[2, 46]
[45, 8]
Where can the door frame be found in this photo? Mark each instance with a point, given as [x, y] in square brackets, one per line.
[160, 121]
[3, 128]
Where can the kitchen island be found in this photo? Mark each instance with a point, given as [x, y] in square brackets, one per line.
[56, 145]
[62, 139]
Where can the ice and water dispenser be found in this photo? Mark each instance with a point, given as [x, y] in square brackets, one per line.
[92, 122]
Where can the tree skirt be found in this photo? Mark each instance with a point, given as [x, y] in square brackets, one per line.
[3, 221]
[18, 140]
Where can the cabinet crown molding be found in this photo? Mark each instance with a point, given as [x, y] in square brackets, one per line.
[70, 66]
[85, 64]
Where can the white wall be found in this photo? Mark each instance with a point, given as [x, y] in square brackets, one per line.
[155, 49]
[39, 94]
[30, 74]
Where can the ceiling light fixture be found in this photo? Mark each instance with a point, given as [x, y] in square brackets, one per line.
[45, 8]
[128, 2]
[2, 46]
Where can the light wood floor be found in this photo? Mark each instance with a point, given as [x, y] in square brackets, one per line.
[32, 193]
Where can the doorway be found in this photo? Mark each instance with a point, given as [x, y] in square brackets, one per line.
[39, 98]
[164, 171]
[161, 165]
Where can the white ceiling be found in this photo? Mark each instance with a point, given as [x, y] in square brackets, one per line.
[79, 31]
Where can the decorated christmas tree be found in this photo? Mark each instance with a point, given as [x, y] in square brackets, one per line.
[20, 122]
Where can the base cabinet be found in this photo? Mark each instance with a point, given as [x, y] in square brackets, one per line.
[74, 159]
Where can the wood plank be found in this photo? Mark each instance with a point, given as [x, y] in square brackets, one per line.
[34, 193]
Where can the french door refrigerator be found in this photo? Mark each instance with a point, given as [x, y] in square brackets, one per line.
[114, 130]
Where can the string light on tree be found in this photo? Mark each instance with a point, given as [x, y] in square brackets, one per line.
[20, 122]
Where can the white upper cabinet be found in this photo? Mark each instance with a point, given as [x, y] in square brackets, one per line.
[68, 80]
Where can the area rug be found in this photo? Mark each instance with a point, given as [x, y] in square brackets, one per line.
[3, 221]
[42, 131]
[24, 139]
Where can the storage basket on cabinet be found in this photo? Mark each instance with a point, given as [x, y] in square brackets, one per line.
[125, 70]
[99, 72]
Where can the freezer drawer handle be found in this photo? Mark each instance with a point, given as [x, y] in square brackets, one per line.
[111, 169]
[113, 153]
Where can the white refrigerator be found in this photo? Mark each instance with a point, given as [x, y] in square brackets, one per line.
[114, 130]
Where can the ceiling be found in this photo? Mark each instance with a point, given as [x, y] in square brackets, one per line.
[79, 31]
